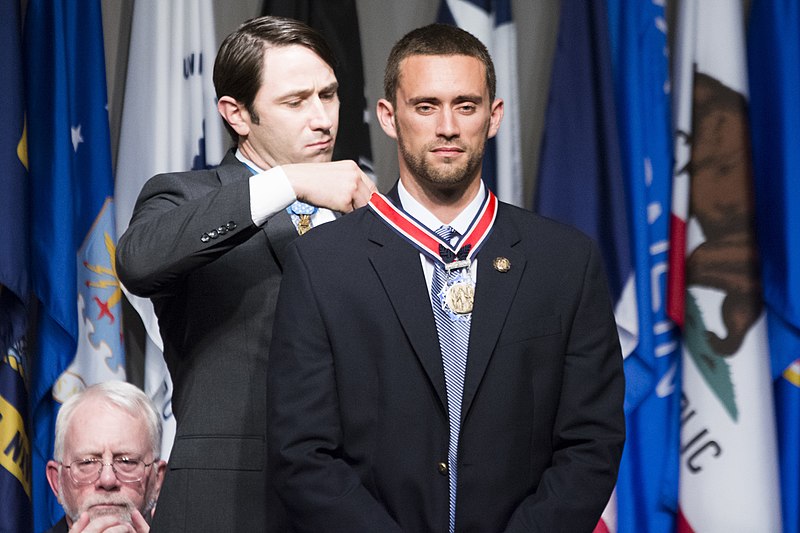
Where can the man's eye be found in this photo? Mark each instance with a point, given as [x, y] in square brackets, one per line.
[467, 109]
[327, 96]
[424, 109]
[294, 103]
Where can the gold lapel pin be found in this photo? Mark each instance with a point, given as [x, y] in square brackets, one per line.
[501, 264]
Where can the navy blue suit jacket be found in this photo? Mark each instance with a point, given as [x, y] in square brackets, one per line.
[357, 408]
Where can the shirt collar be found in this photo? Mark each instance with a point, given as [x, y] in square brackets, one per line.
[426, 218]
[240, 156]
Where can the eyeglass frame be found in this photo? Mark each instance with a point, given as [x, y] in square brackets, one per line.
[103, 465]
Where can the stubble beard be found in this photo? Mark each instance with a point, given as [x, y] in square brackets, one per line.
[444, 178]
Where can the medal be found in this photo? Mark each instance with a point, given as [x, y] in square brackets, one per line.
[460, 297]
[457, 297]
[303, 212]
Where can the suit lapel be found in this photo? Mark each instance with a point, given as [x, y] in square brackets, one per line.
[279, 228]
[494, 293]
[398, 266]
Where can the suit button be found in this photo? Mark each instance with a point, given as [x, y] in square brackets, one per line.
[442, 468]
[231, 225]
[205, 237]
[222, 230]
[212, 234]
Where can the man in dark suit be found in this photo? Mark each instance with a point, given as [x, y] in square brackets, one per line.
[106, 470]
[208, 246]
[492, 402]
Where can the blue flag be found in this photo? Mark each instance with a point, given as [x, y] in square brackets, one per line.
[14, 282]
[15, 449]
[491, 21]
[774, 76]
[580, 169]
[72, 227]
[647, 487]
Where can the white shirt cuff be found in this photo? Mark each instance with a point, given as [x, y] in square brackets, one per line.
[270, 192]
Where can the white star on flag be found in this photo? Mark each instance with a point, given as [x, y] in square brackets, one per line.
[76, 136]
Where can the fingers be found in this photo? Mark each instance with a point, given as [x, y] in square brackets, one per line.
[339, 185]
[110, 524]
[140, 525]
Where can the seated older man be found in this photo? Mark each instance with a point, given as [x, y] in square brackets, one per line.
[106, 470]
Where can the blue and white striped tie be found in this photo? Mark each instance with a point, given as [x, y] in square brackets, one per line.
[454, 344]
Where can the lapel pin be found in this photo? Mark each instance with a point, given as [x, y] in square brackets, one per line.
[501, 264]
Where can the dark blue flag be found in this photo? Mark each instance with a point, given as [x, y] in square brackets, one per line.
[15, 449]
[72, 230]
[774, 78]
[580, 171]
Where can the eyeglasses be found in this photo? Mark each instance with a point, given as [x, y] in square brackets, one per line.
[87, 471]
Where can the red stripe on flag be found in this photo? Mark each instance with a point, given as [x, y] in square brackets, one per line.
[683, 525]
[676, 281]
[601, 527]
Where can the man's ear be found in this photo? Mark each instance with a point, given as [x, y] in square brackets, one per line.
[496, 117]
[53, 478]
[235, 114]
[386, 117]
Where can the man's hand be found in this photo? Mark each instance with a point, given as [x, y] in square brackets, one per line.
[339, 185]
[110, 524]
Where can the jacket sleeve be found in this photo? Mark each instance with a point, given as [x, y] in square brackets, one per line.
[589, 429]
[308, 464]
[180, 223]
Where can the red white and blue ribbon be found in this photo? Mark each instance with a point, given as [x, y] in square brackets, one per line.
[427, 242]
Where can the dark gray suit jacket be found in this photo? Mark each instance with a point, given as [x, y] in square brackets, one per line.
[357, 408]
[213, 277]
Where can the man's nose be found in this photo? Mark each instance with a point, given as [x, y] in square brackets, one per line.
[447, 126]
[108, 478]
[321, 118]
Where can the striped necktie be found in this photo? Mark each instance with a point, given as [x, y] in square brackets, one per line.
[454, 344]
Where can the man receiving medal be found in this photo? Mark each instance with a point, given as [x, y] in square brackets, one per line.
[442, 361]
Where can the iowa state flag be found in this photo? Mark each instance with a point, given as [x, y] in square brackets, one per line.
[170, 123]
[774, 68]
[728, 468]
[72, 220]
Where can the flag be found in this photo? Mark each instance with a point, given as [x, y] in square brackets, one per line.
[774, 75]
[337, 21]
[580, 171]
[647, 486]
[728, 467]
[491, 21]
[14, 282]
[15, 447]
[170, 123]
[72, 221]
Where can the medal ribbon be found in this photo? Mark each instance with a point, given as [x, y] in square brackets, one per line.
[427, 242]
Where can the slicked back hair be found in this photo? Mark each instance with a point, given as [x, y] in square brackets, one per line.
[238, 69]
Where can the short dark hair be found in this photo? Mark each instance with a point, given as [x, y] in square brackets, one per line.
[436, 40]
[240, 61]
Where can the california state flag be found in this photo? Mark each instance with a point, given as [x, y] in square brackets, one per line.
[729, 473]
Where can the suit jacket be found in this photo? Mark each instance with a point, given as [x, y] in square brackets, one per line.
[213, 277]
[357, 408]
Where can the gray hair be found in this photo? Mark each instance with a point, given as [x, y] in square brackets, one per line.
[126, 396]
